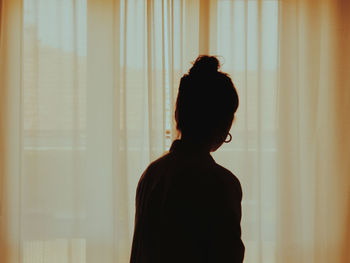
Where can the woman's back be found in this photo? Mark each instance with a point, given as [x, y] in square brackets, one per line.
[188, 209]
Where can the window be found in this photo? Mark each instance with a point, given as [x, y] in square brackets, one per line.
[70, 186]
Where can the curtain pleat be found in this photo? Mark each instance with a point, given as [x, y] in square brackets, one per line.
[10, 130]
[312, 188]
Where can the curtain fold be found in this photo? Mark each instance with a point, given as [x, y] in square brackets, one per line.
[313, 181]
[88, 89]
[10, 127]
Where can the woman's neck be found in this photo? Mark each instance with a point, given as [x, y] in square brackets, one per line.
[194, 144]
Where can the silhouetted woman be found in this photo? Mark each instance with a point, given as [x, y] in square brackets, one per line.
[188, 208]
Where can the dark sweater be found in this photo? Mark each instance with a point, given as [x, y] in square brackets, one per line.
[188, 209]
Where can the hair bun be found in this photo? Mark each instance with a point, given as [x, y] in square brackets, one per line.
[205, 65]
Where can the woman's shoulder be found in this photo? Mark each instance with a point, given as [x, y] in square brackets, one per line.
[161, 162]
[157, 166]
[225, 180]
[225, 174]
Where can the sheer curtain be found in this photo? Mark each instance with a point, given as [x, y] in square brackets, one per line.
[87, 101]
[313, 179]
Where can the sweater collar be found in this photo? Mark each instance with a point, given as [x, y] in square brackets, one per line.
[189, 149]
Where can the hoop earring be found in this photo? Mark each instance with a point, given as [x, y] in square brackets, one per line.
[227, 141]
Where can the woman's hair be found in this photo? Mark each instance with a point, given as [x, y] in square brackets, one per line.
[206, 102]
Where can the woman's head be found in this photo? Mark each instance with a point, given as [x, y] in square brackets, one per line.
[206, 103]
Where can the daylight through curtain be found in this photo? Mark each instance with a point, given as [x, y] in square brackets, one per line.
[87, 102]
